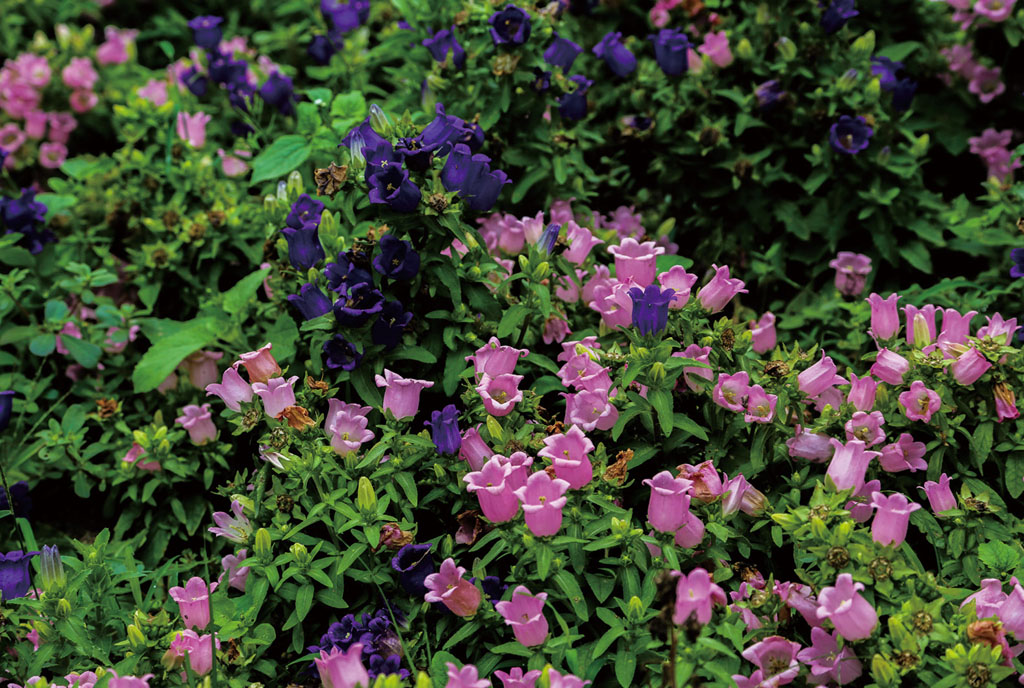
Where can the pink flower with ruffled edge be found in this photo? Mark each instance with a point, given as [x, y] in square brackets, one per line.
[277, 394]
[919, 402]
[590, 409]
[716, 47]
[494, 358]
[500, 394]
[79, 74]
[542, 499]
[155, 91]
[811, 446]
[491, 486]
[986, 83]
[115, 49]
[346, 425]
[852, 615]
[402, 395]
[569, 452]
[636, 261]
[696, 593]
[525, 614]
[52, 155]
[892, 516]
[233, 165]
[994, 10]
[852, 270]
[730, 391]
[235, 526]
[198, 421]
[866, 427]
[904, 454]
[679, 280]
[760, 406]
[232, 389]
[449, 587]
[827, 662]
[193, 602]
[134, 457]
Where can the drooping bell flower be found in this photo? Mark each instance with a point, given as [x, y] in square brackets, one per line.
[890, 367]
[277, 394]
[311, 302]
[572, 105]
[988, 601]
[444, 429]
[811, 446]
[397, 259]
[885, 318]
[200, 366]
[510, 26]
[341, 354]
[259, 364]
[305, 211]
[904, 454]
[837, 14]
[827, 662]
[706, 483]
[730, 391]
[852, 270]
[762, 333]
[388, 328]
[342, 668]
[760, 406]
[670, 46]
[850, 135]
[669, 502]
[235, 573]
[192, 128]
[569, 452]
[235, 526]
[413, 564]
[562, 52]
[466, 677]
[969, 366]
[581, 242]
[866, 427]
[278, 91]
[1006, 402]
[14, 574]
[525, 614]
[357, 304]
[304, 248]
[543, 499]
[449, 587]
[716, 47]
[691, 373]
[853, 616]
[206, 31]
[471, 175]
[402, 395]
[617, 56]
[940, 497]
[198, 421]
[193, 602]
[818, 378]
[490, 484]
[892, 515]
[473, 449]
[444, 42]
[717, 293]
[199, 649]
[862, 392]
[849, 464]
[500, 394]
[695, 595]
[650, 308]
[919, 402]
[346, 425]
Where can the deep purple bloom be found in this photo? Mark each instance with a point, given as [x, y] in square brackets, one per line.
[225, 70]
[345, 16]
[850, 134]
[311, 302]
[444, 429]
[541, 80]
[397, 259]
[22, 215]
[444, 42]
[371, 139]
[304, 249]
[19, 495]
[650, 308]
[195, 82]
[388, 328]
[562, 53]
[341, 353]
[768, 95]
[1017, 256]
[241, 95]
[14, 574]
[378, 158]
[279, 92]
[886, 70]
[391, 186]
[573, 106]
[472, 177]
[344, 272]
[304, 211]
[321, 48]
[436, 138]
[472, 137]
[549, 237]
[414, 564]
[902, 94]
[358, 303]
[617, 56]
[511, 25]
[837, 14]
[670, 50]
[493, 588]
[206, 31]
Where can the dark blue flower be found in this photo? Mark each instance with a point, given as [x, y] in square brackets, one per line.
[279, 92]
[903, 93]
[25, 215]
[378, 158]
[541, 79]
[344, 272]
[850, 134]
[321, 49]
[397, 259]
[768, 95]
[195, 82]
[639, 122]
[413, 564]
[226, 70]
[371, 139]
[14, 574]
[510, 25]
[472, 137]
[306, 210]
[7, 405]
[388, 328]
[341, 353]
[886, 71]
[345, 16]
[444, 42]
[562, 53]
[837, 14]
[1016, 255]
[304, 249]
[493, 588]
[391, 186]
[472, 177]
[357, 304]
[444, 429]
[573, 106]
[206, 31]
[670, 51]
[19, 495]
[650, 308]
[385, 666]
[241, 95]
[617, 56]
[436, 138]
[549, 237]
[311, 302]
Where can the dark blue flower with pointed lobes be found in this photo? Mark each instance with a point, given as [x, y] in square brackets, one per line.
[26, 216]
[436, 138]
[850, 135]
[371, 139]
[6, 408]
[573, 106]
[321, 49]
[413, 564]
[473, 137]
[562, 53]
[650, 308]
[22, 502]
[341, 353]
[195, 82]
[225, 70]
[549, 237]
[306, 210]
[670, 51]
[886, 70]
[617, 56]
[444, 42]
[472, 177]
[385, 666]
[379, 158]
[444, 429]
[541, 80]
[304, 249]
[510, 26]
[311, 302]
[768, 95]
[345, 16]
[206, 31]
[345, 272]
[241, 96]
[1016, 255]
[837, 14]
[903, 94]
[279, 92]
[397, 259]
[387, 329]
[14, 574]
[357, 304]
[391, 186]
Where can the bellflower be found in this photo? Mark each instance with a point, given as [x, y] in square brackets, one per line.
[986, 83]
[890, 367]
[524, 613]
[849, 464]
[343, 668]
[903, 94]
[388, 328]
[700, 354]
[473, 449]
[1000, 330]
[562, 52]
[670, 46]
[866, 427]
[339, 353]
[401, 395]
[617, 56]
[969, 366]
[590, 409]
[510, 26]
[885, 320]
[862, 392]
[199, 649]
[448, 586]
[413, 564]
[714, 295]
[695, 595]
[1006, 402]
[14, 574]
[235, 573]
[444, 429]
[572, 105]
[569, 452]
[279, 92]
[322, 48]
[650, 308]
[444, 42]
[820, 377]
[716, 47]
[636, 261]
[397, 259]
[311, 302]
[892, 515]
[762, 333]
[543, 499]
[853, 616]
[466, 677]
[193, 602]
[669, 502]
[500, 394]
[988, 601]
[940, 497]
[276, 393]
[810, 446]
[472, 177]
[346, 425]
[494, 358]
[927, 314]
[850, 135]
[886, 70]
[197, 420]
[259, 364]
[358, 303]
[343, 271]
[206, 31]
[192, 128]
[581, 242]
[956, 328]
[559, 680]
[776, 660]
[837, 14]
[390, 185]
[515, 678]
[304, 248]
[768, 95]
[678, 279]
[904, 454]
[235, 526]
[305, 211]
[852, 270]
[919, 402]
[760, 406]
[18, 501]
[827, 662]
[730, 391]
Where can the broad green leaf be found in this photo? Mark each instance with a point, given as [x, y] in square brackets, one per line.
[172, 343]
[241, 295]
[85, 353]
[43, 344]
[280, 158]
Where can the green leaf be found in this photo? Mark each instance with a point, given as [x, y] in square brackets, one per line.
[899, 51]
[280, 158]
[513, 648]
[684, 422]
[981, 443]
[283, 334]
[438, 668]
[417, 353]
[56, 203]
[625, 665]
[609, 637]
[43, 344]
[172, 342]
[544, 558]
[85, 353]
[241, 295]
[304, 600]
[666, 262]
[661, 400]
[1015, 474]
[567, 582]
[362, 379]
[531, 178]
[512, 319]
[999, 556]
[917, 255]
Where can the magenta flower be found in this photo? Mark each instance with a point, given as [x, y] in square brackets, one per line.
[680, 281]
[851, 614]
[79, 74]
[762, 333]
[612, 301]
[890, 367]
[819, 377]
[827, 662]
[202, 368]
[885, 318]
[590, 409]
[760, 406]
[706, 483]
[198, 647]
[775, 658]
[892, 515]
[849, 464]
[525, 614]
[192, 128]
[569, 453]
[695, 594]
[543, 499]
[346, 425]
[691, 533]
[852, 270]
[956, 328]
[581, 242]
[234, 571]
[401, 396]
[343, 668]
[904, 454]
[811, 446]
[989, 600]
[520, 463]
[636, 261]
[669, 502]
[700, 354]
[1006, 402]
[114, 50]
[730, 391]
[155, 91]
[970, 366]
[197, 420]
[277, 394]
[998, 329]
[919, 402]
[716, 47]
[494, 359]
[260, 364]
[448, 586]
[862, 392]
[716, 294]
[515, 678]
[986, 83]
[52, 155]
[236, 527]
[193, 602]
[859, 505]
[940, 497]
[1011, 612]
[801, 598]
[500, 394]
[994, 10]
[473, 449]
[558, 680]
[866, 427]
[497, 500]
[134, 456]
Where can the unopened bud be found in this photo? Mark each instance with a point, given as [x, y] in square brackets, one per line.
[786, 48]
[270, 203]
[848, 80]
[263, 547]
[439, 470]
[542, 270]
[882, 670]
[744, 50]
[922, 335]
[282, 191]
[524, 262]
[300, 553]
[356, 144]
[763, 17]
[920, 146]
[635, 609]
[873, 89]
[657, 371]
[53, 577]
[136, 638]
[63, 608]
[494, 428]
[294, 185]
[423, 680]
[379, 121]
[864, 45]
[366, 498]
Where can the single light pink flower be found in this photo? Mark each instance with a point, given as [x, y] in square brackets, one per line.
[466, 677]
[520, 463]
[543, 499]
[970, 366]
[35, 125]
[852, 270]
[590, 410]
[473, 449]
[277, 394]
[33, 69]
[198, 647]
[890, 367]
[134, 457]
[811, 446]
[612, 301]
[669, 501]
[904, 454]
[260, 364]
[193, 602]
[343, 668]
[500, 394]
[866, 427]
[961, 60]
[775, 658]
[636, 261]
[730, 391]
[819, 377]
[192, 128]
[1006, 402]
[695, 595]
[827, 662]
[79, 74]
[801, 598]
[556, 329]
[859, 505]
[198, 421]
[559, 680]
[82, 101]
[700, 354]
[680, 281]
[233, 165]
[525, 614]
[956, 328]
[155, 91]
[986, 83]
[448, 586]
[202, 368]
[515, 678]
[490, 484]
[569, 452]
[235, 526]
[495, 359]
[581, 242]
[989, 600]
[853, 616]
[346, 425]
[1000, 330]
[52, 155]
[760, 406]
[994, 10]
[919, 402]
[115, 49]
[402, 395]
[849, 464]
[716, 47]
[11, 137]
[716, 294]
[232, 389]
[61, 126]
[706, 483]
[940, 497]
[885, 319]
[762, 333]
[234, 571]
[862, 392]
[892, 516]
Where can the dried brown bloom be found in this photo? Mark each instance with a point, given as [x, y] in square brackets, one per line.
[555, 428]
[505, 64]
[105, 408]
[216, 217]
[285, 503]
[329, 179]
[393, 537]
[297, 417]
[471, 527]
[438, 202]
[316, 385]
[616, 473]
[728, 339]
[776, 368]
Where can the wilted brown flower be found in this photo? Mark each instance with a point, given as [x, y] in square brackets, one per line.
[297, 417]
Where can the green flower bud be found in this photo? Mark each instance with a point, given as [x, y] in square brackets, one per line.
[882, 670]
[847, 81]
[270, 203]
[744, 50]
[366, 498]
[136, 638]
[542, 271]
[262, 546]
[53, 576]
[864, 45]
[300, 553]
[439, 471]
[282, 192]
[657, 371]
[63, 608]
[786, 48]
[873, 89]
[294, 185]
[494, 428]
[920, 146]
[379, 121]
[922, 336]
[635, 609]
[524, 262]
[423, 681]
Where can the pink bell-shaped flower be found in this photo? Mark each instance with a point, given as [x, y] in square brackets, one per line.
[849, 464]
[402, 395]
[695, 595]
[669, 502]
[495, 359]
[260, 364]
[525, 614]
[543, 499]
[892, 516]
[198, 421]
[193, 602]
[569, 452]
[232, 389]
[343, 668]
[885, 317]
[852, 615]
[277, 394]
[500, 394]
[449, 587]
[497, 500]
[890, 367]
[919, 402]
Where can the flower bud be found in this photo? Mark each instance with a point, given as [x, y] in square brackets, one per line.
[366, 498]
[786, 48]
[294, 185]
[270, 203]
[922, 336]
[262, 546]
[282, 191]
[864, 45]
[494, 428]
[883, 671]
[136, 638]
[300, 553]
[356, 144]
[635, 609]
[818, 528]
[920, 146]
[744, 50]
[53, 577]
[423, 680]
[873, 89]
[657, 371]
[541, 271]
[438, 470]
[63, 608]
[379, 121]
[140, 438]
[847, 81]
[524, 262]
[883, 155]
[328, 226]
